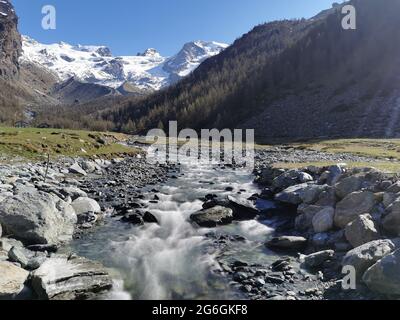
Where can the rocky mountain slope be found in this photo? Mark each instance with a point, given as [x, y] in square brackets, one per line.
[292, 79]
[97, 65]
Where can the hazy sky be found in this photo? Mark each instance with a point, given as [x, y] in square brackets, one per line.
[131, 26]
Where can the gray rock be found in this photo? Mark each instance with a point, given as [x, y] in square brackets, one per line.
[389, 198]
[89, 166]
[311, 193]
[353, 205]
[384, 276]
[292, 194]
[317, 259]
[17, 255]
[363, 257]
[12, 280]
[76, 169]
[394, 188]
[242, 209]
[70, 278]
[323, 220]
[348, 185]
[210, 218]
[7, 244]
[73, 192]
[306, 213]
[287, 242]
[38, 218]
[361, 230]
[290, 178]
[84, 205]
[327, 198]
[335, 173]
[391, 222]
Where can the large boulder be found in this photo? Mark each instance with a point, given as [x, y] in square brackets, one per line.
[311, 193]
[323, 220]
[292, 195]
[84, 205]
[70, 278]
[268, 175]
[210, 218]
[363, 257]
[306, 213]
[317, 259]
[348, 185]
[361, 230]
[37, 218]
[353, 205]
[384, 276]
[287, 242]
[242, 209]
[391, 222]
[12, 280]
[290, 178]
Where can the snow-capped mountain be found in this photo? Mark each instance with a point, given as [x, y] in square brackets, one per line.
[97, 65]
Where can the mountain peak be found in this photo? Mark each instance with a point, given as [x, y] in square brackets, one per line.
[150, 52]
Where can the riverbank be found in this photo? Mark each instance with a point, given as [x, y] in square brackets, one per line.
[43, 206]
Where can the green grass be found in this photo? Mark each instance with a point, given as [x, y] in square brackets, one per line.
[385, 152]
[35, 144]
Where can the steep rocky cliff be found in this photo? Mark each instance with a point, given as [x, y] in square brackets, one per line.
[10, 41]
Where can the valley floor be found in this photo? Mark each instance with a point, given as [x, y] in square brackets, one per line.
[320, 199]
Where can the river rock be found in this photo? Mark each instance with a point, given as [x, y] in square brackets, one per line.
[70, 278]
[287, 242]
[389, 198]
[348, 185]
[17, 255]
[37, 218]
[84, 205]
[290, 178]
[394, 188]
[12, 280]
[353, 205]
[311, 193]
[361, 230]
[363, 257]
[292, 194]
[317, 259]
[76, 169]
[242, 209]
[391, 222]
[210, 218]
[384, 276]
[306, 213]
[323, 220]
[89, 166]
[73, 192]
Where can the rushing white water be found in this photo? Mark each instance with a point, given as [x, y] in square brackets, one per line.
[170, 260]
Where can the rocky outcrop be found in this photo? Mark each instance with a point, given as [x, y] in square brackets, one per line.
[70, 278]
[10, 42]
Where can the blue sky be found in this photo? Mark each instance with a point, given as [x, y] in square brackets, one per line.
[131, 26]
